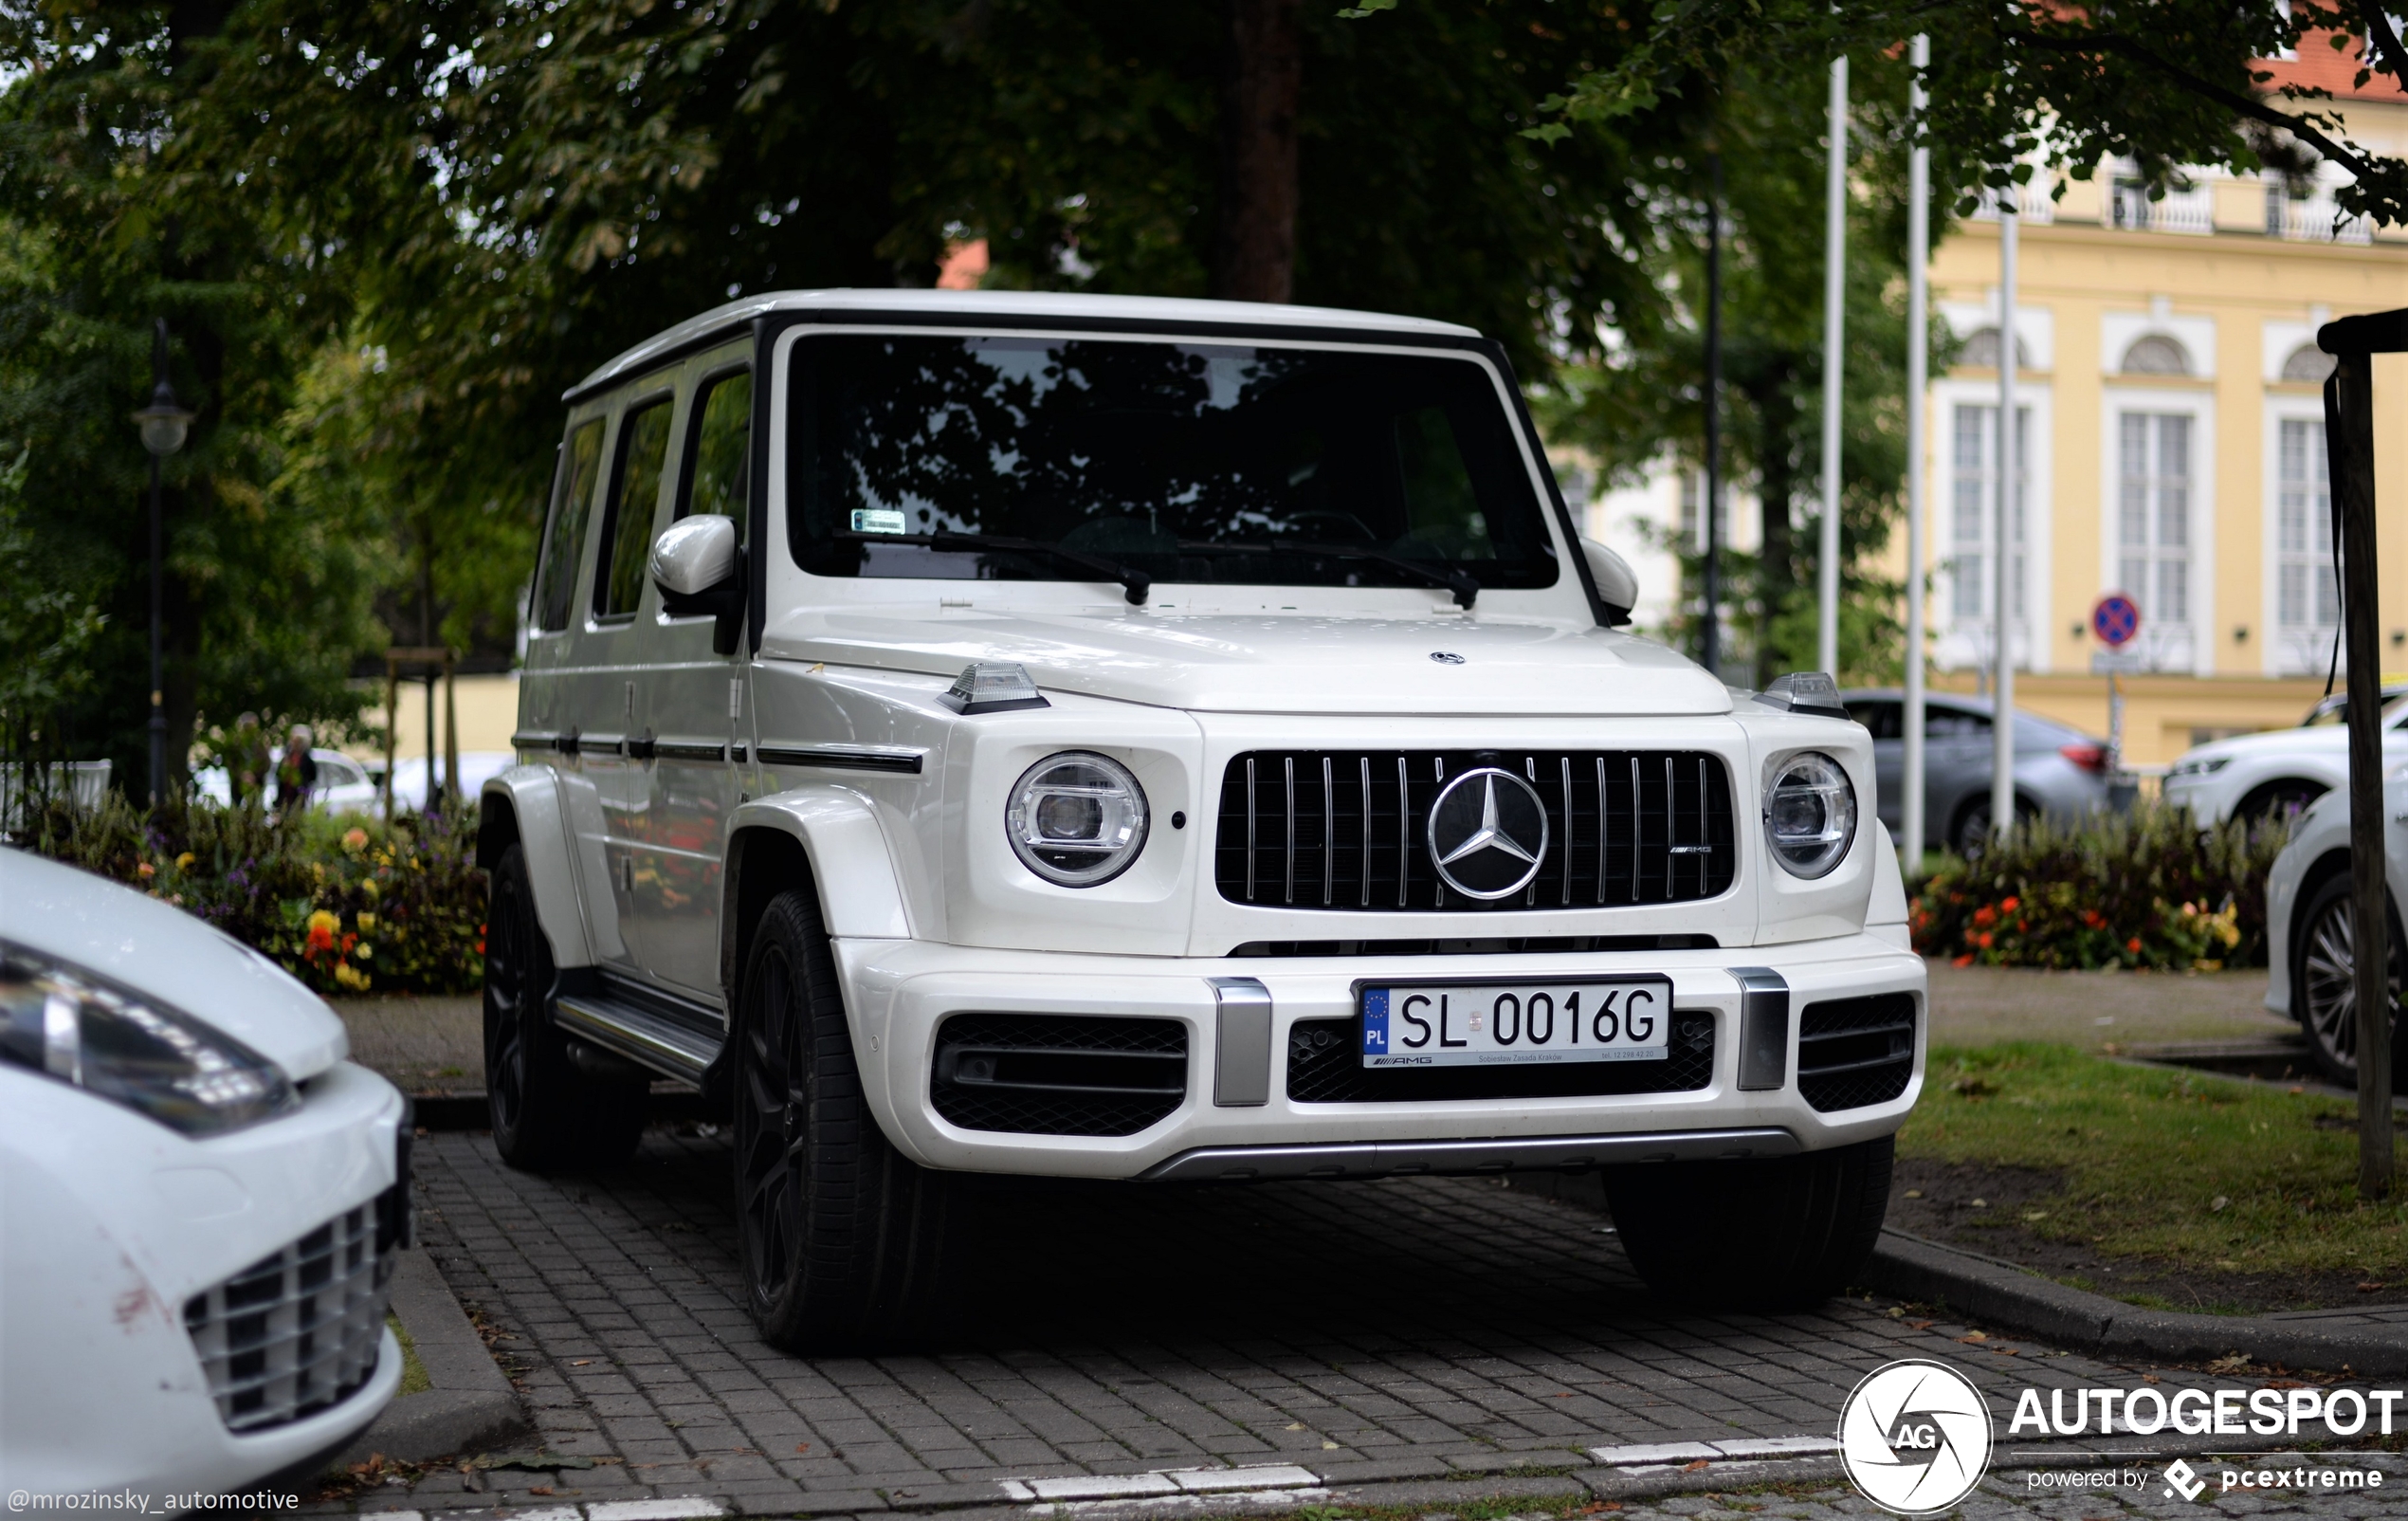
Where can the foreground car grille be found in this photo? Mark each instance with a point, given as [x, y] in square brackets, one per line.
[1328, 829]
[1325, 1066]
[1855, 1051]
[298, 1330]
[1058, 1075]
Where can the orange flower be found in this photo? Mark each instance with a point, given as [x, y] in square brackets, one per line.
[1983, 942]
[146, 870]
[1966, 960]
[1985, 916]
[2010, 906]
[2133, 944]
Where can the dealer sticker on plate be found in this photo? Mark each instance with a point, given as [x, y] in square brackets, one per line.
[1484, 1024]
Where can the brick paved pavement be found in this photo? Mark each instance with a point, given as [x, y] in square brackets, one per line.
[1418, 1330]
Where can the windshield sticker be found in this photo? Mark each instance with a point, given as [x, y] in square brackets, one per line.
[879, 521]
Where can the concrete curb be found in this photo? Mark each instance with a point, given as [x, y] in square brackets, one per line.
[2001, 1293]
[472, 1406]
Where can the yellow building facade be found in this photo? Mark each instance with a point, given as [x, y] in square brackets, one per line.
[2171, 444]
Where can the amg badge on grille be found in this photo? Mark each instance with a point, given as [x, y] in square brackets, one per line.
[1487, 834]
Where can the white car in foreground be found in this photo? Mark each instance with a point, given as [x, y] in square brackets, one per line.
[2279, 772]
[2310, 928]
[200, 1201]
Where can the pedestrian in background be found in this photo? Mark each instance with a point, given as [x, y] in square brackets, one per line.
[250, 762]
[296, 774]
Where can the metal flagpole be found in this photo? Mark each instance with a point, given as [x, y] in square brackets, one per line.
[1834, 324]
[1918, 364]
[2002, 581]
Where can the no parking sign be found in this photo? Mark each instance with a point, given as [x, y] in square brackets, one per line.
[2116, 619]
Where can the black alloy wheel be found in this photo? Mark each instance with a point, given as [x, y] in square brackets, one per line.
[843, 1238]
[2324, 978]
[2278, 801]
[545, 1112]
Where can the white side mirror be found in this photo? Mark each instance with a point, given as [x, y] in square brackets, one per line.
[693, 556]
[1616, 586]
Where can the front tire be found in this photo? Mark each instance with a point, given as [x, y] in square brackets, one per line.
[843, 1238]
[545, 1113]
[1780, 1233]
[1971, 834]
[2324, 985]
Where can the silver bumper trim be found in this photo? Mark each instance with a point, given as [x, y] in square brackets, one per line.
[1539, 1153]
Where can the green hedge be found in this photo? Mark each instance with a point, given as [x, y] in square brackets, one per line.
[2148, 888]
[346, 903]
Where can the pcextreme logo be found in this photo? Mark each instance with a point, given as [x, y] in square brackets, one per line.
[1914, 1436]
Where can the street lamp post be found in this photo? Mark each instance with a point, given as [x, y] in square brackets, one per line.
[163, 423]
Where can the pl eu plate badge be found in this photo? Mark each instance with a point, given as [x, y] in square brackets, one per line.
[1375, 1022]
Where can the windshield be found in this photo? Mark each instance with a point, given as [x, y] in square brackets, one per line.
[1186, 463]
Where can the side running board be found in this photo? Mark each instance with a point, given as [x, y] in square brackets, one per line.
[649, 1040]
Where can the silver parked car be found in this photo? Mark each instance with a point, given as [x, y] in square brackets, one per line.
[2060, 773]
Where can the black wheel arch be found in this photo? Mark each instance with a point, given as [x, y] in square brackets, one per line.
[762, 861]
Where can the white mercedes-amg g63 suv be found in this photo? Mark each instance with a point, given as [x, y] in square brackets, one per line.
[1166, 740]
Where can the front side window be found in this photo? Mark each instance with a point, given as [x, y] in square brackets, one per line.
[564, 541]
[2153, 519]
[635, 491]
[719, 459]
[1196, 463]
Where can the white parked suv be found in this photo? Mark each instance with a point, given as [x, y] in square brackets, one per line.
[1164, 740]
[200, 1201]
[2278, 773]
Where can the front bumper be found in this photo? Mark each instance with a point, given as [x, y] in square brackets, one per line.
[898, 992]
[118, 1241]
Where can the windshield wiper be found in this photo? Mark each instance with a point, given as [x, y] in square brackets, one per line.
[1456, 580]
[1136, 582]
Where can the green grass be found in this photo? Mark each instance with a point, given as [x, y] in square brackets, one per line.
[2206, 1172]
[414, 1373]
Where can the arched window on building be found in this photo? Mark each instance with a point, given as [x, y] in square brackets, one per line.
[2308, 362]
[1981, 350]
[2156, 355]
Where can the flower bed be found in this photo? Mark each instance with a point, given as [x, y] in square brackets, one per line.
[348, 904]
[2148, 888]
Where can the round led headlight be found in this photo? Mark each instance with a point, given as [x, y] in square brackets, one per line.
[1809, 814]
[1076, 819]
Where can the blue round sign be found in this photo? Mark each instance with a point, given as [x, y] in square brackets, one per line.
[2115, 618]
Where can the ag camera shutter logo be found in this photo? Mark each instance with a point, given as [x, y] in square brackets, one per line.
[1914, 1436]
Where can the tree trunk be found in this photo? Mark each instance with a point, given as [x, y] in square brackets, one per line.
[1255, 246]
[1777, 560]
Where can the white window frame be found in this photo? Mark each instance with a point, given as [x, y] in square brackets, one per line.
[2191, 651]
[1961, 645]
[2285, 651]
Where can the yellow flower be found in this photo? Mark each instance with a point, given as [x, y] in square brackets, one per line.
[351, 976]
[184, 862]
[332, 923]
[368, 886]
[364, 951]
[367, 924]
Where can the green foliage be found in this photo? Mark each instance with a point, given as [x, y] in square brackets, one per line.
[2148, 888]
[1645, 400]
[2197, 1171]
[346, 904]
[2013, 86]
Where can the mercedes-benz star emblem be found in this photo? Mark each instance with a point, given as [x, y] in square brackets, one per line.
[1487, 834]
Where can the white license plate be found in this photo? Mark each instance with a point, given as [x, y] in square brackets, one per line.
[1497, 1024]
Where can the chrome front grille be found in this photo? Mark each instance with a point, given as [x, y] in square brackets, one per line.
[298, 1330]
[1346, 830]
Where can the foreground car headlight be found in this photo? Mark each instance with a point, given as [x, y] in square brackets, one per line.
[121, 1047]
[1076, 819]
[1809, 814]
[2206, 765]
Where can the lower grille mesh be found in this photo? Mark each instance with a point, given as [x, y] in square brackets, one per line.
[1325, 1066]
[1855, 1051]
[296, 1331]
[1058, 1075]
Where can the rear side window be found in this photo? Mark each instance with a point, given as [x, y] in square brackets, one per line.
[719, 463]
[635, 490]
[1954, 724]
[556, 581]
